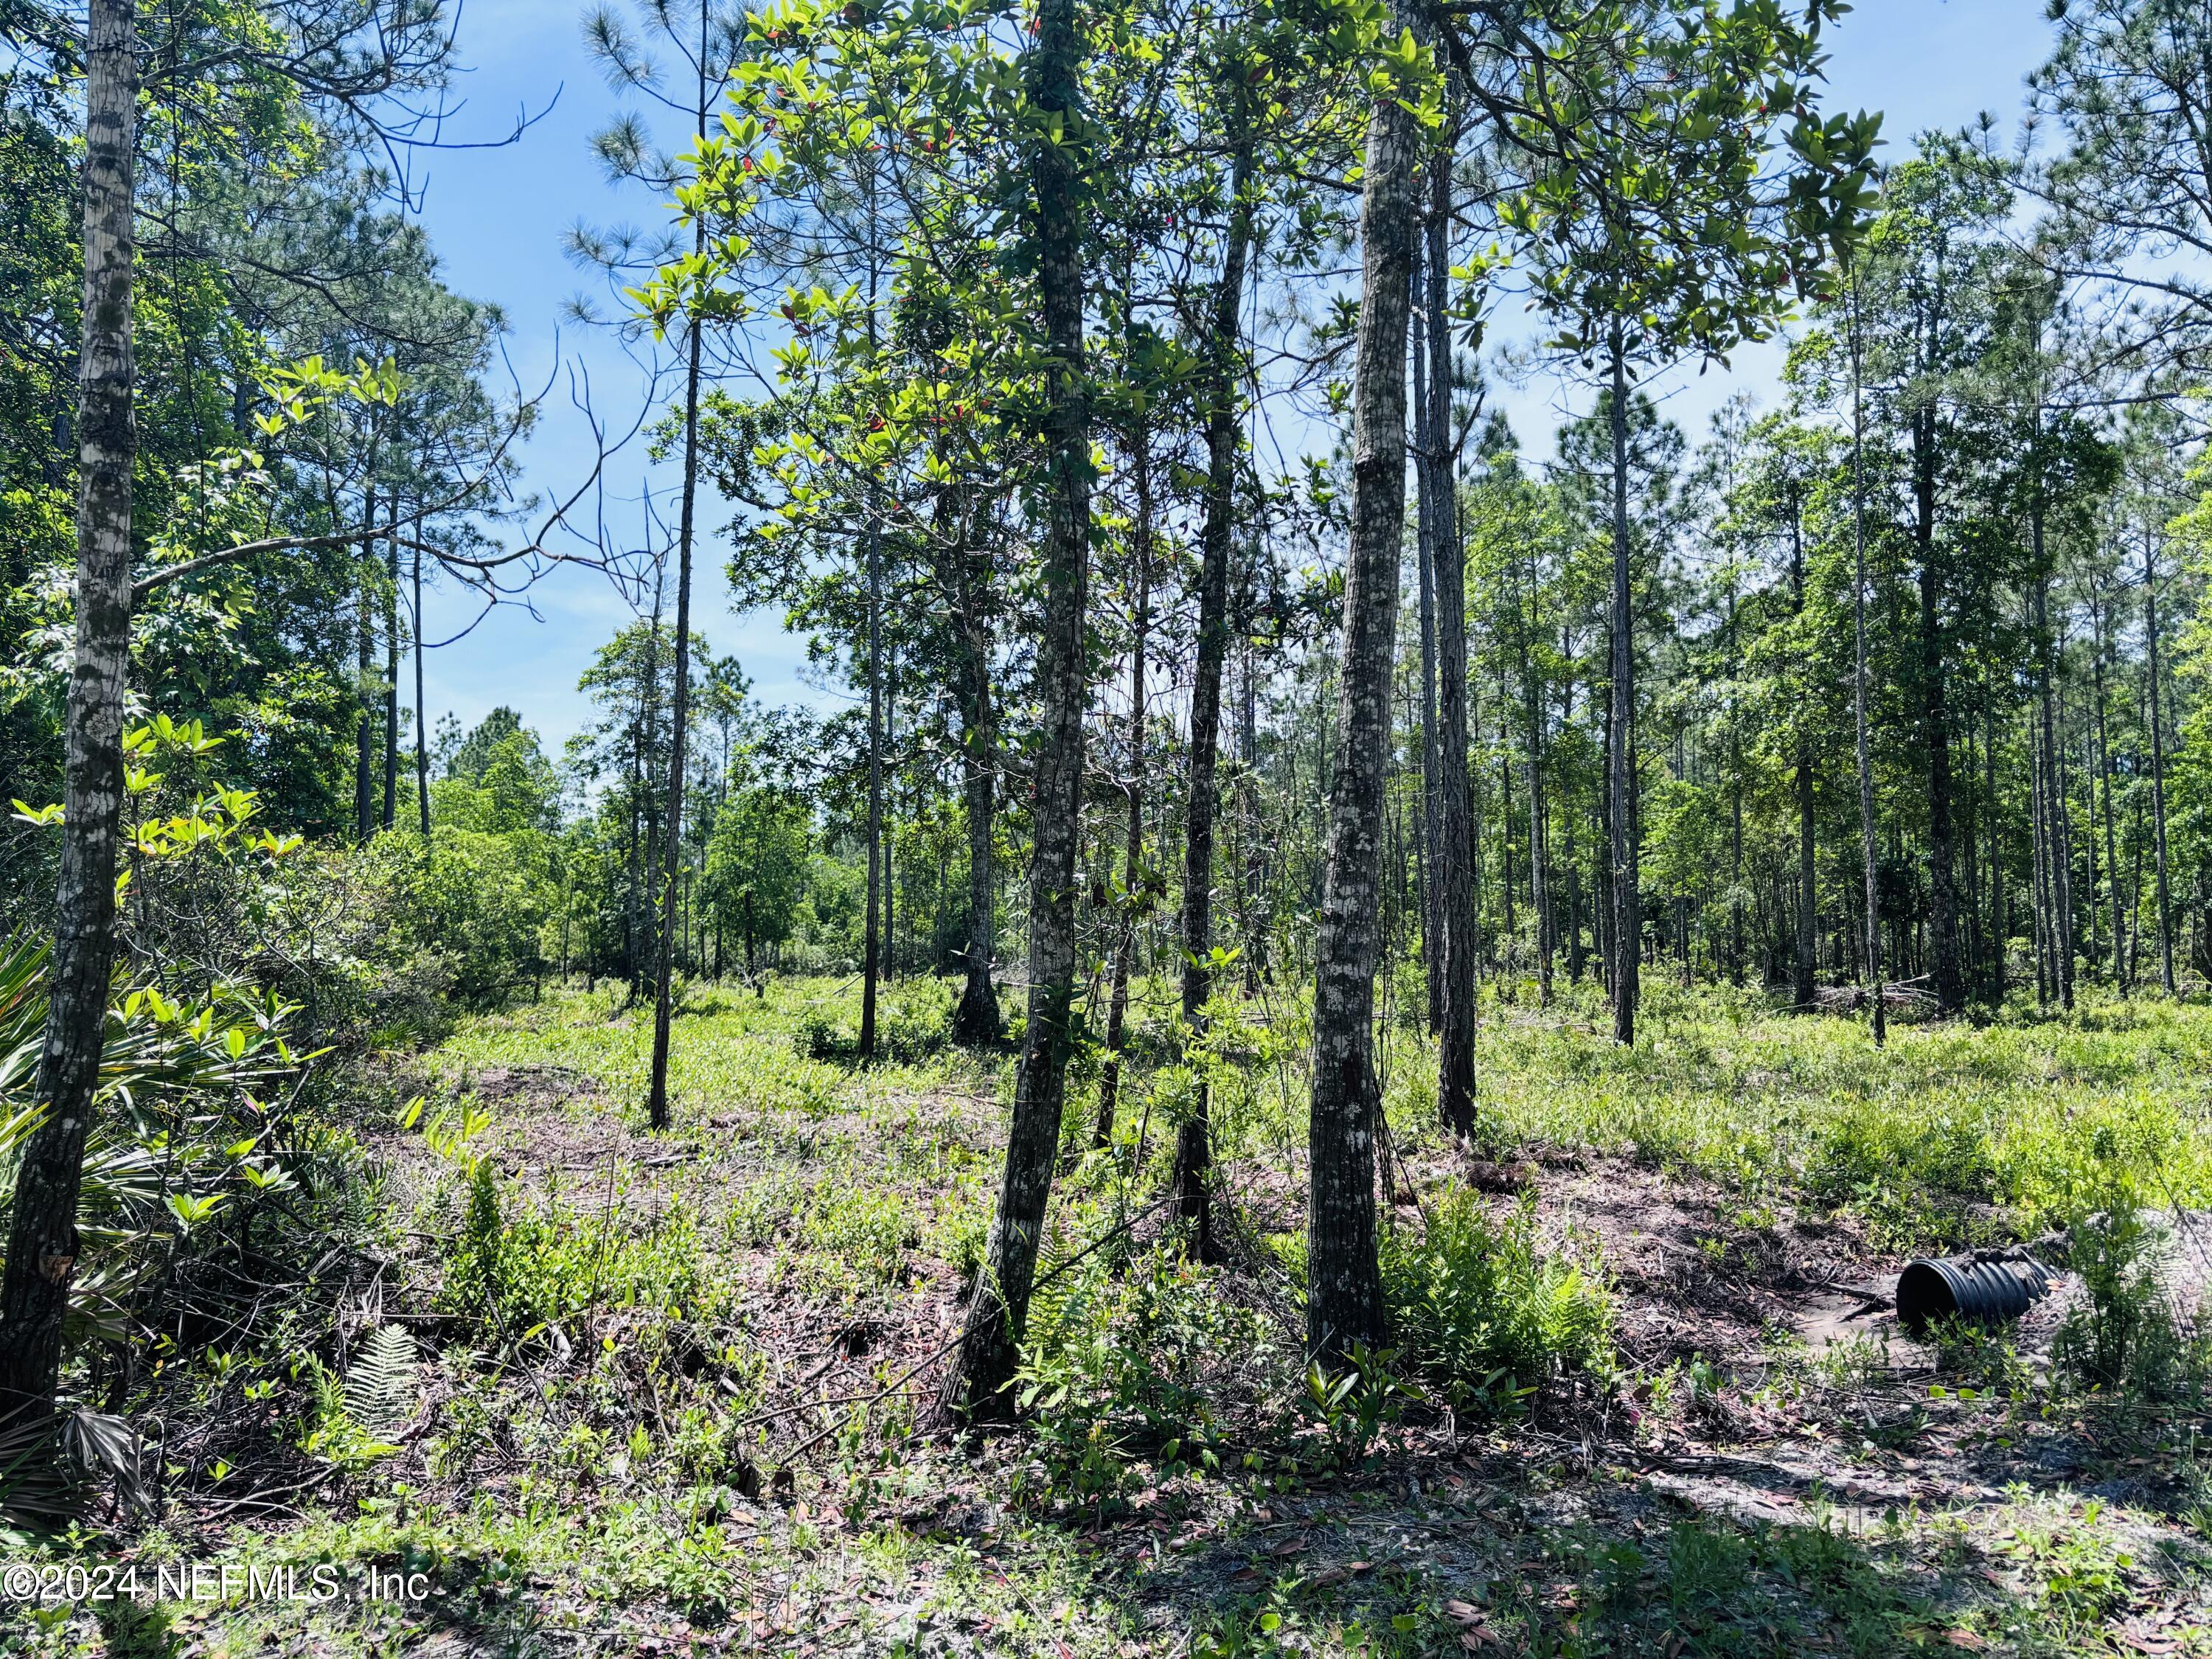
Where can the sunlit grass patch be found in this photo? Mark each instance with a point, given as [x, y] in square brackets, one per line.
[1946, 1117]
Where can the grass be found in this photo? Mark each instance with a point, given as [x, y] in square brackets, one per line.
[2021, 1113]
[670, 1390]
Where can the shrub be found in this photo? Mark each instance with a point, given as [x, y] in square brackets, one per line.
[861, 1236]
[183, 1133]
[819, 1037]
[463, 914]
[1481, 1314]
[913, 1022]
[917, 1020]
[1120, 1364]
[2126, 1335]
[520, 1267]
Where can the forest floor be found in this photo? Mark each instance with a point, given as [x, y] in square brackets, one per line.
[687, 1410]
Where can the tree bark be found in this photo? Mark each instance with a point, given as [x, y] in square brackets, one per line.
[391, 805]
[1455, 833]
[1133, 850]
[1255, 884]
[1193, 1159]
[2057, 856]
[657, 1107]
[364, 740]
[2158, 770]
[1572, 855]
[2063, 832]
[1539, 859]
[976, 1020]
[42, 1246]
[2038, 861]
[1736, 781]
[888, 832]
[644, 815]
[2105, 777]
[1426, 542]
[1343, 1290]
[423, 725]
[999, 1312]
[873, 928]
[2135, 890]
[1935, 717]
[1868, 841]
[1807, 892]
[1628, 925]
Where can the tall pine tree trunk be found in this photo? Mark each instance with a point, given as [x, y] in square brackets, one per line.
[364, 728]
[1540, 858]
[2062, 818]
[1193, 1159]
[2038, 862]
[679, 731]
[1935, 735]
[1575, 946]
[422, 715]
[2057, 842]
[999, 1310]
[646, 821]
[1344, 1289]
[1254, 881]
[1455, 829]
[889, 817]
[976, 1020]
[1628, 925]
[1736, 791]
[872, 940]
[2158, 770]
[2120, 977]
[1868, 841]
[1426, 538]
[679, 735]
[1807, 892]
[391, 811]
[42, 1246]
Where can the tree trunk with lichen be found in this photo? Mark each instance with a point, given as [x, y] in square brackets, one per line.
[1455, 912]
[42, 1238]
[1343, 1290]
[999, 1310]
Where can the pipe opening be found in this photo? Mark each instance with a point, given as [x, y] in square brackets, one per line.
[1983, 1289]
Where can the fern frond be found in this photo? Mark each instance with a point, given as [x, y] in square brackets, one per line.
[379, 1385]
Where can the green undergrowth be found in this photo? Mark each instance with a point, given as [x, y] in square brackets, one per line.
[615, 1391]
[1484, 1315]
[735, 1056]
[1926, 1136]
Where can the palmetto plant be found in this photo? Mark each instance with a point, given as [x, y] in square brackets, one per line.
[182, 1126]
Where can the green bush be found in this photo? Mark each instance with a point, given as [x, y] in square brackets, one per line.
[819, 1037]
[917, 1019]
[914, 1020]
[519, 1267]
[2126, 1335]
[185, 1138]
[461, 917]
[1120, 1364]
[857, 1237]
[1481, 1314]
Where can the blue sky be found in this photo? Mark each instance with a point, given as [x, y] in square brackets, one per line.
[497, 218]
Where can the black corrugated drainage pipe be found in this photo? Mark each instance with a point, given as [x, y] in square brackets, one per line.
[1985, 1288]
